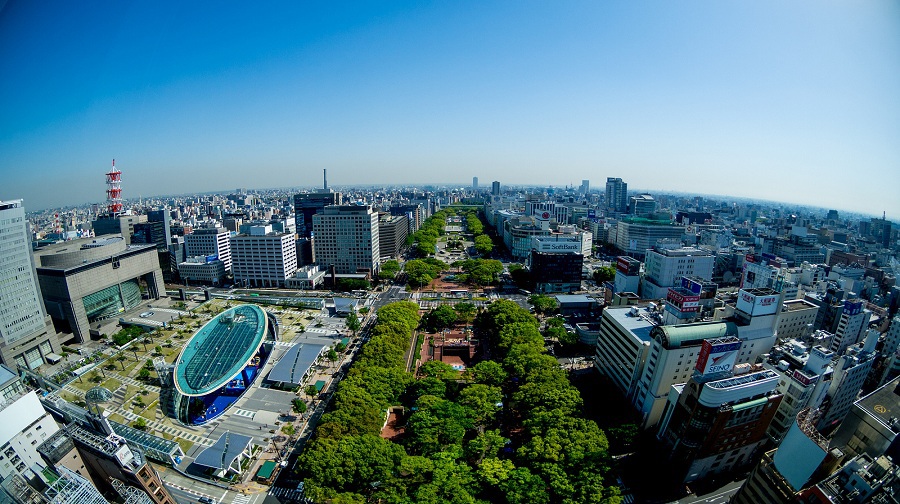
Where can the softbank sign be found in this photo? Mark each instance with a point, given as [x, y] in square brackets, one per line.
[717, 356]
[558, 246]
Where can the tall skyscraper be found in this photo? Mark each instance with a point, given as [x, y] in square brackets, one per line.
[585, 186]
[347, 238]
[616, 195]
[495, 188]
[27, 336]
[475, 183]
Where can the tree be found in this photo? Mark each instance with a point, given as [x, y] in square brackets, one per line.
[484, 401]
[288, 429]
[488, 373]
[121, 358]
[437, 369]
[483, 244]
[542, 304]
[389, 269]
[556, 330]
[311, 390]
[523, 487]
[604, 274]
[440, 318]
[352, 322]
[298, 406]
[144, 374]
[332, 356]
[465, 312]
[158, 350]
[140, 424]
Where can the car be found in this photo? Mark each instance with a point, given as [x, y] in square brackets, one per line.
[147, 314]
[206, 500]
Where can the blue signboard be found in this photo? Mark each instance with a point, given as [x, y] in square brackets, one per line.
[691, 285]
[592, 213]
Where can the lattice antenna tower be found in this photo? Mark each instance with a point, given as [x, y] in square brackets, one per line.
[114, 190]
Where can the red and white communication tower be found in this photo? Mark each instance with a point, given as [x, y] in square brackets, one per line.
[114, 190]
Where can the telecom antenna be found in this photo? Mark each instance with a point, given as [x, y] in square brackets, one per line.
[114, 191]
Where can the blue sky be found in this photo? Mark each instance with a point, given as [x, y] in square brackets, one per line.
[790, 101]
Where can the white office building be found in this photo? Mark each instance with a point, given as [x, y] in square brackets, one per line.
[263, 258]
[623, 343]
[24, 425]
[213, 241]
[347, 238]
[664, 266]
[796, 319]
[27, 336]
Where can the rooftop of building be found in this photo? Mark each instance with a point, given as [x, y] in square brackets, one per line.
[798, 304]
[638, 321]
[220, 350]
[573, 298]
[884, 405]
[682, 335]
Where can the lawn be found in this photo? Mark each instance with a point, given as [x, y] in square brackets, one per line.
[115, 417]
[111, 384]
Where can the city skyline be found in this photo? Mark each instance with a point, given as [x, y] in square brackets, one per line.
[791, 103]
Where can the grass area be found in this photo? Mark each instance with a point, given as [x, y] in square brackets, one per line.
[68, 396]
[184, 444]
[115, 417]
[111, 384]
[130, 391]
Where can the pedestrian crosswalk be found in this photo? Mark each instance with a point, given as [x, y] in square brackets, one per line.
[241, 499]
[245, 413]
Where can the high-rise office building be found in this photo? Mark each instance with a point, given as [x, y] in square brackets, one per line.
[347, 238]
[475, 183]
[585, 186]
[495, 188]
[616, 195]
[209, 242]
[27, 336]
[308, 204]
[263, 258]
[666, 264]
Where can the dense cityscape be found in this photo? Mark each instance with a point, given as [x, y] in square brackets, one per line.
[476, 343]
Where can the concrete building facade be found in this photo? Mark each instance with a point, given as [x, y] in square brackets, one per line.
[210, 242]
[664, 266]
[92, 279]
[263, 258]
[347, 237]
[27, 336]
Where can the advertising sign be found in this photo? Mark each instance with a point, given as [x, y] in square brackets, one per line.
[691, 285]
[757, 305]
[211, 258]
[717, 358]
[805, 380]
[852, 307]
[685, 300]
[628, 266]
[557, 245]
[592, 213]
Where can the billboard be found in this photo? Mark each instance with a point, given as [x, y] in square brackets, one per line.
[685, 300]
[592, 213]
[852, 307]
[717, 356]
[757, 304]
[557, 246]
[628, 266]
[691, 285]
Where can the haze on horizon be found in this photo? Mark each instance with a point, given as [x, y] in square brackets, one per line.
[796, 102]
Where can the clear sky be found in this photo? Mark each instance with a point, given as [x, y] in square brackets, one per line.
[792, 101]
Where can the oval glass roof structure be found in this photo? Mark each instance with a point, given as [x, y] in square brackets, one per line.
[220, 350]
